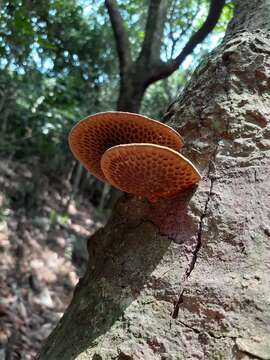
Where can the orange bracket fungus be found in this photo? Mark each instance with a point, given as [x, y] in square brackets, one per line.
[92, 136]
[148, 170]
[133, 153]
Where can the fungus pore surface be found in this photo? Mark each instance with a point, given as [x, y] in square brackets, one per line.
[148, 170]
[92, 136]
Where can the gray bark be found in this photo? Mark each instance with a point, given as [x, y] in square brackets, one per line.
[189, 277]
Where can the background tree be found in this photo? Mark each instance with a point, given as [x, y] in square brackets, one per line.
[188, 277]
[148, 66]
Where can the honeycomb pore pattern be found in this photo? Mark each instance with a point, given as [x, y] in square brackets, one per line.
[91, 137]
[147, 170]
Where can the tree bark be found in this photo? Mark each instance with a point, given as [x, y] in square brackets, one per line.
[132, 88]
[189, 277]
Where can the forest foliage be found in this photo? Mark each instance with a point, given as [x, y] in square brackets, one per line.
[58, 64]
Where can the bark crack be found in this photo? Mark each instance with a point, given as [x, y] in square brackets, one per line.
[250, 353]
[197, 331]
[199, 236]
[211, 177]
[209, 333]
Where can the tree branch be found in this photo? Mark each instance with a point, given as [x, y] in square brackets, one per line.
[157, 13]
[162, 70]
[189, 25]
[120, 34]
[214, 13]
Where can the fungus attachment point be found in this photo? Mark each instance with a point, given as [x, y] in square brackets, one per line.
[92, 136]
[148, 170]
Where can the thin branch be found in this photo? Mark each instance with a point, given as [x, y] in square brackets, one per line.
[164, 69]
[214, 13]
[185, 30]
[171, 26]
[156, 16]
[120, 34]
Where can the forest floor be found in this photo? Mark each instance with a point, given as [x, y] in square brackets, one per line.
[40, 240]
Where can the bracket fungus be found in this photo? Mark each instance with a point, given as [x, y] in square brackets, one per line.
[92, 136]
[148, 170]
[134, 153]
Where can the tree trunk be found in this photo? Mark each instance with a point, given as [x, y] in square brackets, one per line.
[131, 92]
[136, 75]
[189, 277]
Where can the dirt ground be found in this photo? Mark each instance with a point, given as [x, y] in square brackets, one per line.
[42, 236]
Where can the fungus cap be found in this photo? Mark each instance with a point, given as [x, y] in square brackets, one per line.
[92, 136]
[148, 170]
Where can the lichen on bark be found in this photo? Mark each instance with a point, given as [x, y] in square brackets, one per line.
[189, 277]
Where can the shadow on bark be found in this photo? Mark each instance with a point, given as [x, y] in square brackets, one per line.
[123, 255]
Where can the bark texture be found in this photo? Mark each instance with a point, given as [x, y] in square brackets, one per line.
[189, 277]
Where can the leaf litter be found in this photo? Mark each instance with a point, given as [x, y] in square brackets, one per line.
[40, 241]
